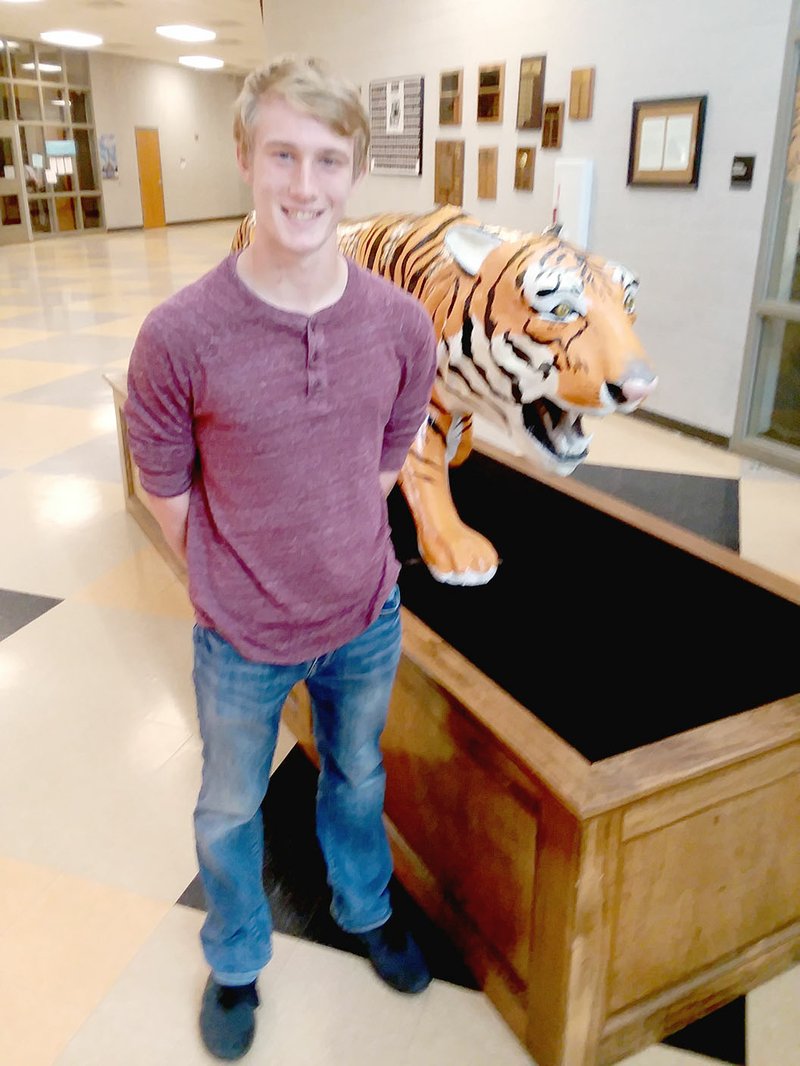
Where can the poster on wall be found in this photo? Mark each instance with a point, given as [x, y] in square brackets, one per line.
[395, 116]
[108, 156]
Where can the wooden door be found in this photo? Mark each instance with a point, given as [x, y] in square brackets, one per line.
[148, 155]
[448, 180]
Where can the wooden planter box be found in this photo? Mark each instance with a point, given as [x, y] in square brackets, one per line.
[594, 764]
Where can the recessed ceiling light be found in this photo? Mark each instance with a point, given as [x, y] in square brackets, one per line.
[190, 34]
[71, 38]
[201, 62]
[46, 68]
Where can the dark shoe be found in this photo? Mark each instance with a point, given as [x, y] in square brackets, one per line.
[396, 957]
[227, 1024]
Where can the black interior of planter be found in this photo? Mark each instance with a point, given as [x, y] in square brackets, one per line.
[610, 636]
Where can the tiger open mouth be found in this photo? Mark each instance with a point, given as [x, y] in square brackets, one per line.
[558, 431]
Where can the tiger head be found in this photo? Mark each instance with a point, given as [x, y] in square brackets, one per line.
[540, 334]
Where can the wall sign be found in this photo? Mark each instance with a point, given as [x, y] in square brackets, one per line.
[395, 118]
[666, 141]
[107, 143]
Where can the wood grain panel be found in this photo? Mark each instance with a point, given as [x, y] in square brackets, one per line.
[652, 1019]
[703, 887]
[710, 790]
[444, 792]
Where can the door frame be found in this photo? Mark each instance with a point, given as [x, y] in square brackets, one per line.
[754, 399]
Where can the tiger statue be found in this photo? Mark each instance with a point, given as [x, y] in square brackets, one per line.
[532, 332]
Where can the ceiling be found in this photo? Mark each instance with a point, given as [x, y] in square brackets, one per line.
[128, 27]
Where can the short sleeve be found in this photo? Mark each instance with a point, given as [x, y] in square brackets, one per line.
[418, 348]
[159, 411]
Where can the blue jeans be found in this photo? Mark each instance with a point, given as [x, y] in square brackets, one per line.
[239, 705]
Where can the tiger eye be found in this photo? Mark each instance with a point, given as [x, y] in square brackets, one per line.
[561, 310]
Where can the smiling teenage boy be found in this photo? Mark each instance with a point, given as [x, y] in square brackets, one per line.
[271, 406]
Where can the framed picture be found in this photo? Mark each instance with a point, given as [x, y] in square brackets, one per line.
[448, 178]
[581, 93]
[487, 173]
[491, 79]
[109, 168]
[450, 97]
[553, 125]
[530, 99]
[666, 141]
[524, 165]
[395, 117]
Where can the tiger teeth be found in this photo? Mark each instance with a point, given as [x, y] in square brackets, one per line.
[568, 440]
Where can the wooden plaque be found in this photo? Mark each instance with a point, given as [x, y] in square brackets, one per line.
[581, 93]
[450, 82]
[448, 181]
[523, 169]
[487, 173]
[531, 92]
[491, 80]
[553, 125]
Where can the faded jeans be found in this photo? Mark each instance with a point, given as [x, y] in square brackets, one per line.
[239, 705]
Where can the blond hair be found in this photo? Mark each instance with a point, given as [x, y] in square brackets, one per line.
[307, 84]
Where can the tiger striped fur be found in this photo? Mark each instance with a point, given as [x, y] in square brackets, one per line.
[532, 334]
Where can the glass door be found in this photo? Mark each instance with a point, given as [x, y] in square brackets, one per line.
[14, 226]
[768, 420]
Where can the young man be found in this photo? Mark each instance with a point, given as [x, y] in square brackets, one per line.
[271, 406]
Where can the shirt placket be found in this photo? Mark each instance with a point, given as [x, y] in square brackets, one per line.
[315, 364]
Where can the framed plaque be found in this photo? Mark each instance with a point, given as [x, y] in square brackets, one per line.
[530, 99]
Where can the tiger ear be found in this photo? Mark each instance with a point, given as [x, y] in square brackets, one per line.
[469, 246]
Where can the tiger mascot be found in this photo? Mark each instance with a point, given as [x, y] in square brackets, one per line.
[532, 333]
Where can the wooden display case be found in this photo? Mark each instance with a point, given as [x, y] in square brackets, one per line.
[593, 763]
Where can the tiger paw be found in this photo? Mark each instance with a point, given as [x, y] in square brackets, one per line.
[463, 557]
[463, 577]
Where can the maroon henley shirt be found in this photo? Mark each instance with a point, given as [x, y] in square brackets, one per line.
[279, 423]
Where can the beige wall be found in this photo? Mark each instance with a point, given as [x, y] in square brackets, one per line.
[695, 251]
[192, 112]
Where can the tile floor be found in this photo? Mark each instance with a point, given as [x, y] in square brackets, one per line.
[99, 754]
